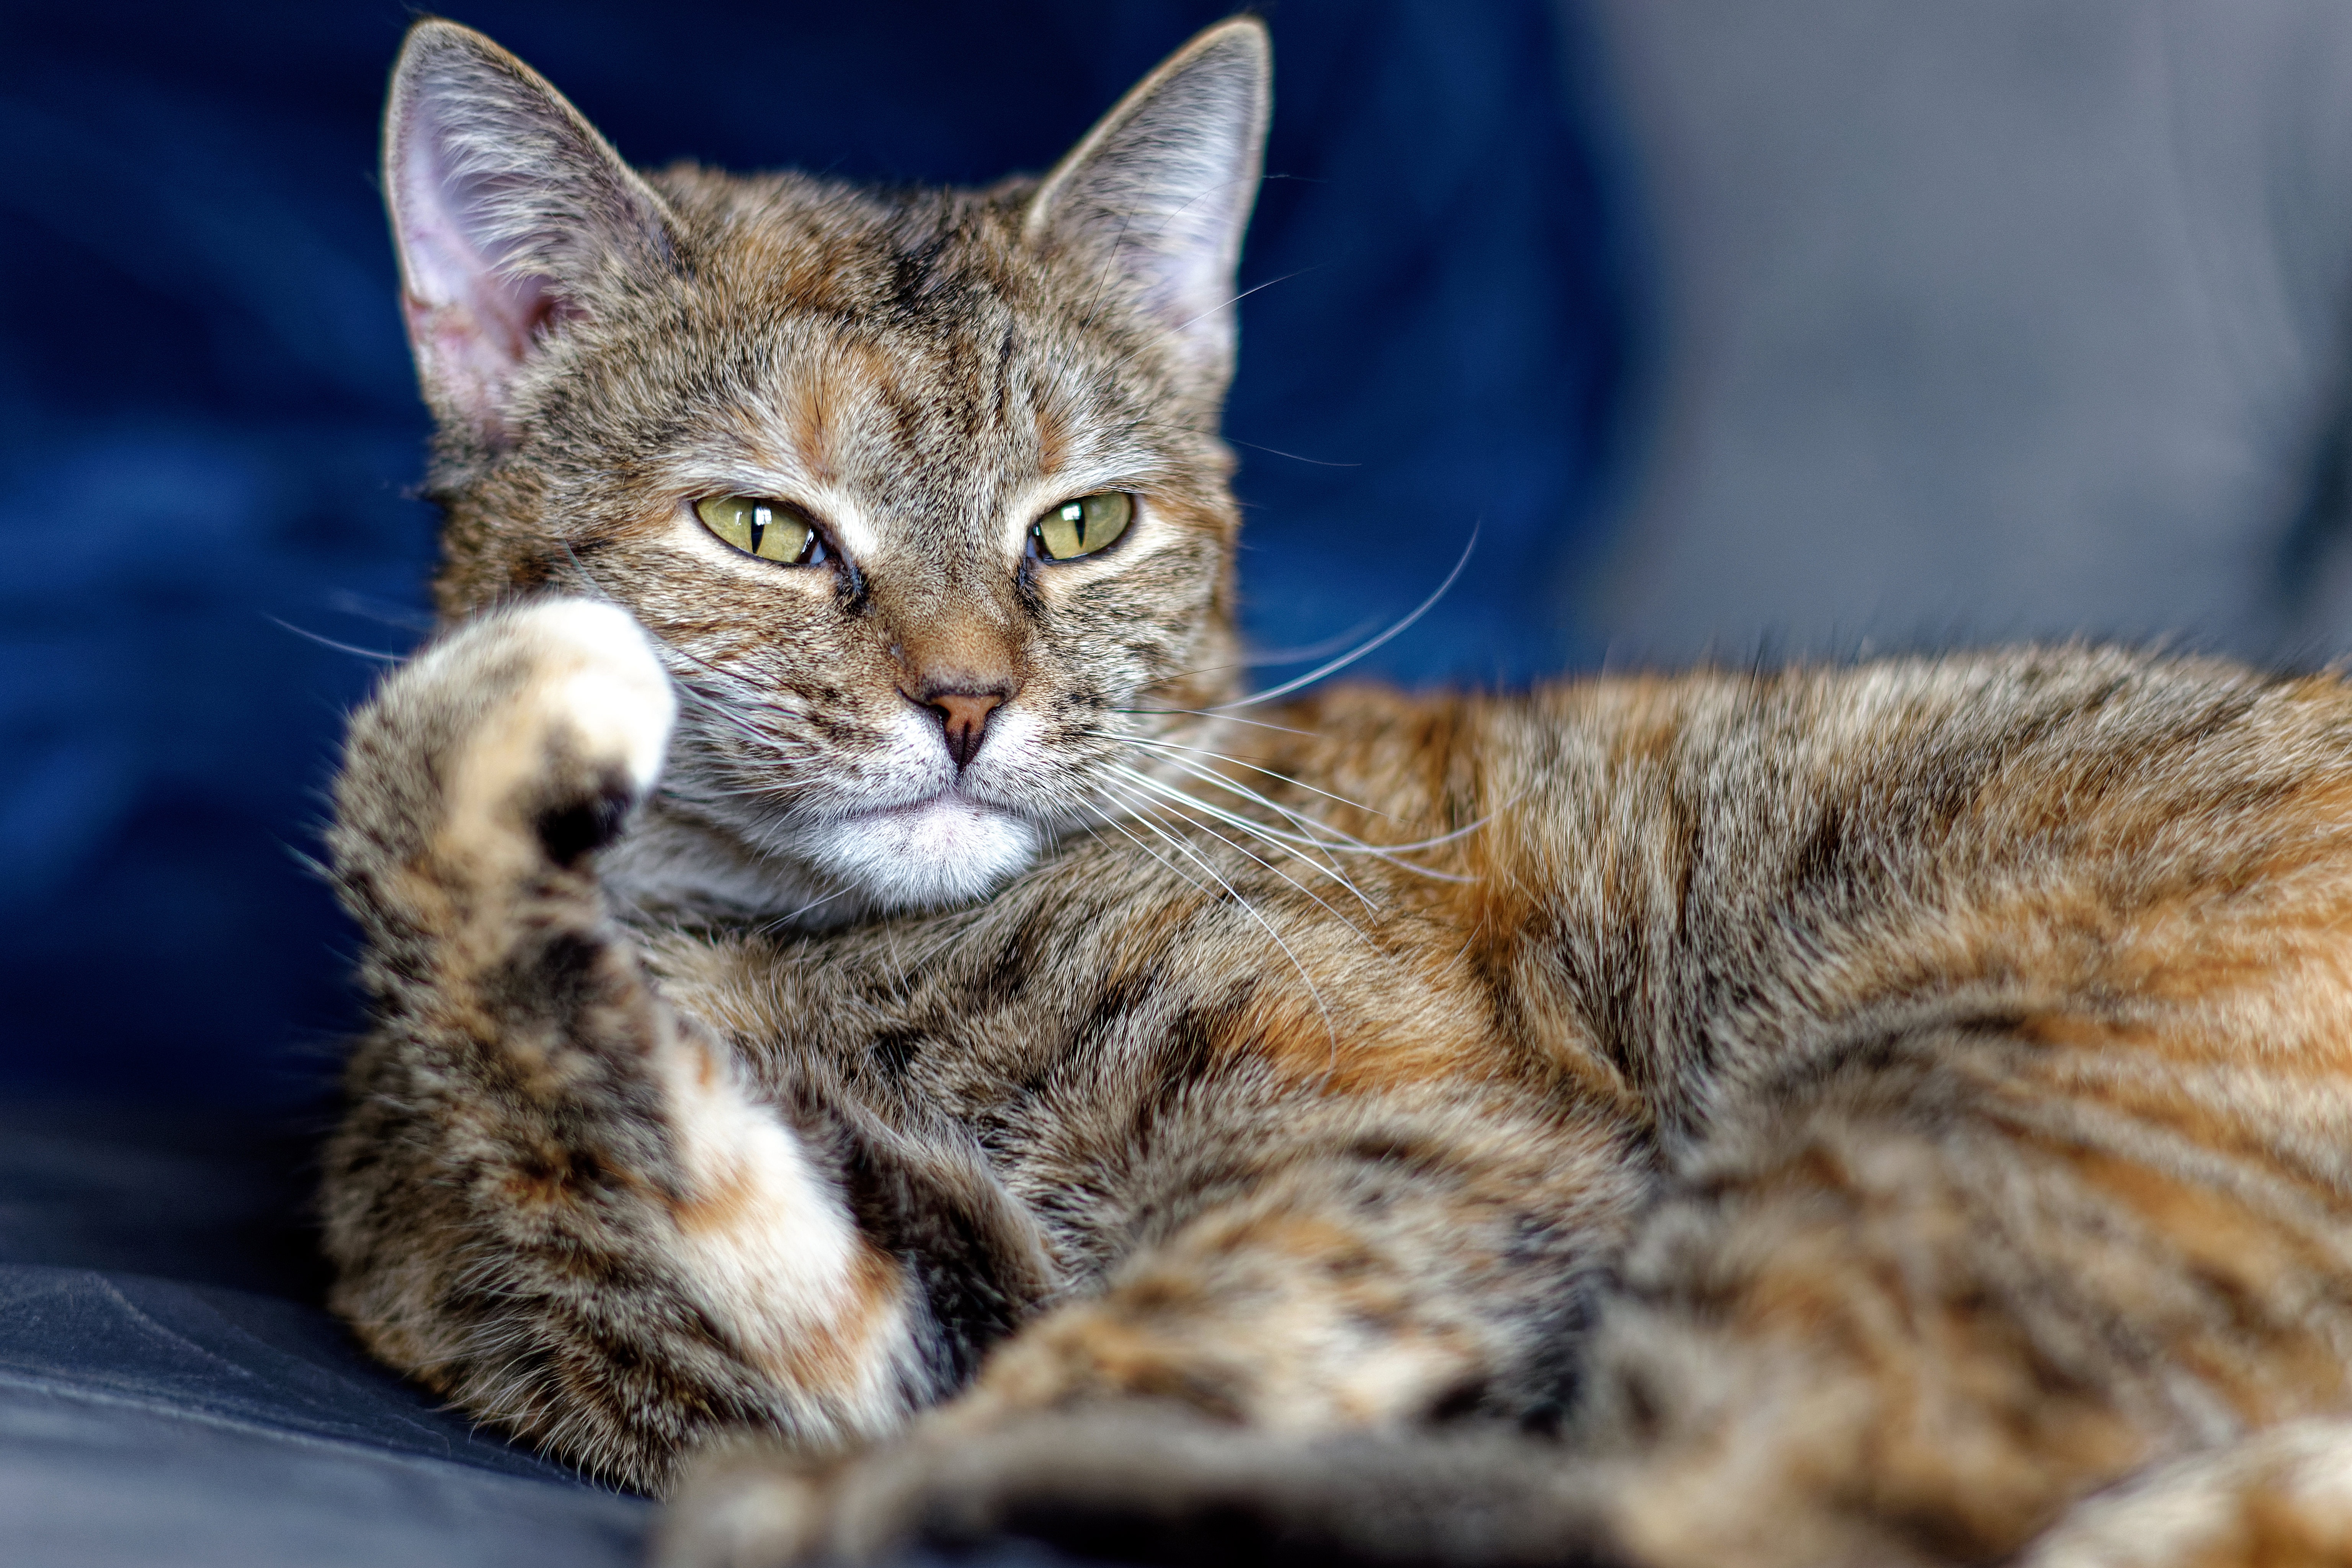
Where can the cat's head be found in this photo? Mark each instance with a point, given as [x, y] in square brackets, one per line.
[921, 491]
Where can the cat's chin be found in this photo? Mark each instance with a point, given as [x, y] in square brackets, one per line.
[948, 849]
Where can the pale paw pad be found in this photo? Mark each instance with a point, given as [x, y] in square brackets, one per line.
[554, 716]
[601, 674]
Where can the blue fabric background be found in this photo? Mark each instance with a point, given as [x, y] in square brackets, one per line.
[208, 426]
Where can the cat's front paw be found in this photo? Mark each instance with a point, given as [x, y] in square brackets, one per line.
[1117, 1485]
[1141, 1481]
[749, 1505]
[523, 737]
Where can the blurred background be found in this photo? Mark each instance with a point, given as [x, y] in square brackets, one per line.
[1736, 329]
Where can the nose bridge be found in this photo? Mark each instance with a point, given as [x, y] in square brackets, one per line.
[958, 652]
[954, 631]
[958, 649]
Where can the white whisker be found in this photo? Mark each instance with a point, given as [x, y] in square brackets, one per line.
[1183, 801]
[330, 642]
[1293, 457]
[1255, 830]
[780, 922]
[1223, 757]
[1217, 714]
[1115, 822]
[1339, 840]
[1141, 810]
[1314, 832]
[1317, 673]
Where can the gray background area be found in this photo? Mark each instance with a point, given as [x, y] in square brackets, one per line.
[2015, 318]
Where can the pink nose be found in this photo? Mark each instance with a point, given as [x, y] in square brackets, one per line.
[964, 719]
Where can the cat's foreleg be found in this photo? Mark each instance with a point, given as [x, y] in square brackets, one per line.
[554, 1198]
[1267, 1369]
[2277, 1499]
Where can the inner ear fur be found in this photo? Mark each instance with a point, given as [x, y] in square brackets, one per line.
[1164, 183]
[512, 214]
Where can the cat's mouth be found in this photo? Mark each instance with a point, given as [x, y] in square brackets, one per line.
[947, 847]
[947, 811]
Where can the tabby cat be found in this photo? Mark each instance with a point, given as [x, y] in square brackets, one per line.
[874, 1034]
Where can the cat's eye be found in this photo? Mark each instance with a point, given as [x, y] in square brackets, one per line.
[1083, 526]
[770, 530]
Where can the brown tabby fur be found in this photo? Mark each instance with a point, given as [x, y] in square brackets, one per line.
[1840, 1116]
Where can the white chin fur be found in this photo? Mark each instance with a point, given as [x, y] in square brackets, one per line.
[942, 851]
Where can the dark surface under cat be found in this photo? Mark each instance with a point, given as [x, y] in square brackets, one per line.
[171, 1393]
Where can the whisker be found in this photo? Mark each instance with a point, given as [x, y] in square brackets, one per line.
[1312, 826]
[710, 795]
[1255, 660]
[1258, 832]
[1278, 452]
[1110, 267]
[330, 642]
[1312, 675]
[595, 589]
[1312, 830]
[1214, 713]
[1225, 757]
[1111, 821]
[402, 616]
[1341, 841]
[776, 744]
[1301, 655]
[1229, 304]
[780, 922]
[1141, 816]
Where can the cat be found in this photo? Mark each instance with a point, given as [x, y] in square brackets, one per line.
[877, 1036]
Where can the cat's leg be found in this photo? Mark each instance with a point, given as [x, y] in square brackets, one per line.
[2279, 1499]
[555, 1199]
[1155, 1484]
[1369, 1271]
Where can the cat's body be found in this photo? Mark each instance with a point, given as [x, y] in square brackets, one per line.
[1830, 1116]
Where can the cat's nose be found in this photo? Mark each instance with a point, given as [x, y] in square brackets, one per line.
[964, 719]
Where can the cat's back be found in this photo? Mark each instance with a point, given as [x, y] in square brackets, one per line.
[2135, 860]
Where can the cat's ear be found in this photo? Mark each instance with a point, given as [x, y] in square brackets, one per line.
[1163, 186]
[512, 214]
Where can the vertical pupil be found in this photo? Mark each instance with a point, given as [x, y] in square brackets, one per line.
[1074, 514]
[761, 516]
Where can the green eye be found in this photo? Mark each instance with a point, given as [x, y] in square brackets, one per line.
[770, 530]
[1083, 526]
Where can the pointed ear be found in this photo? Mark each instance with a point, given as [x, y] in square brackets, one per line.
[511, 213]
[1164, 183]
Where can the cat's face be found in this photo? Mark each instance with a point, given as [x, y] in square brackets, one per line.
[921, 492]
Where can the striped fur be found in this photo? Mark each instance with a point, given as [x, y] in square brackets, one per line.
[1894, 1114]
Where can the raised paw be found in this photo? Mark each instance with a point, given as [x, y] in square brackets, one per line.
[523, 737]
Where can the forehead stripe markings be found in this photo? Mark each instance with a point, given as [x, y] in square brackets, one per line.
[808, 427]
[1053, 438]
[799, 439]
